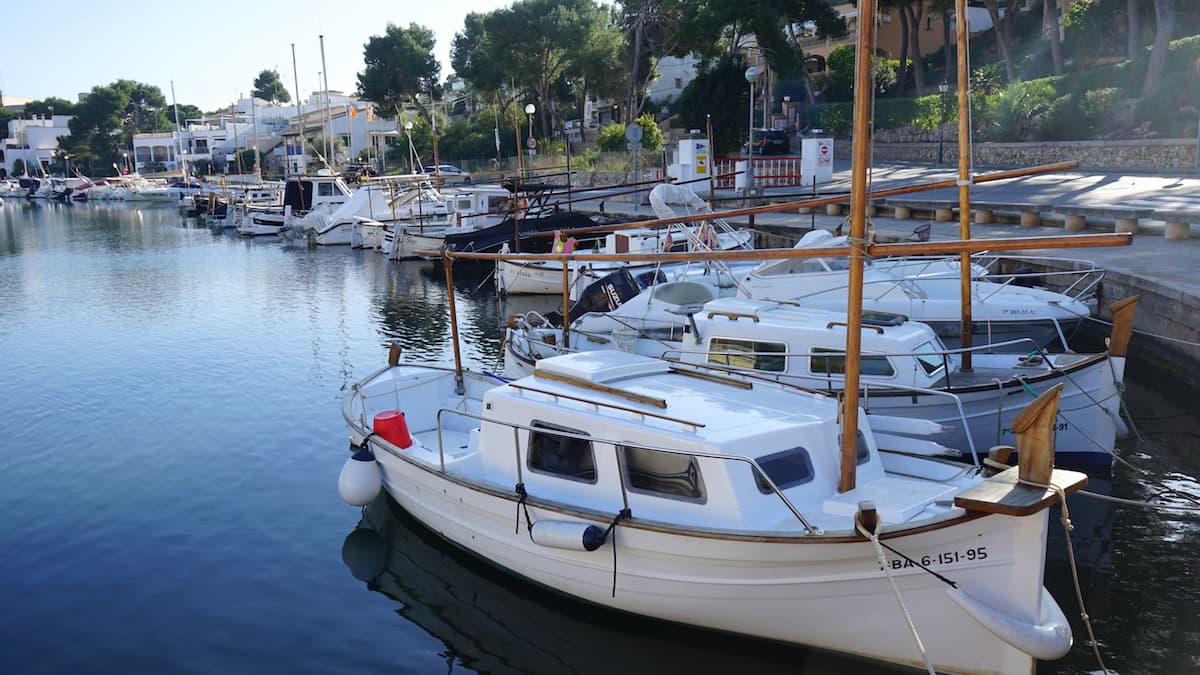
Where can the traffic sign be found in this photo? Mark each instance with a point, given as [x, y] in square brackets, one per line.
[633, 133]
[531, 143]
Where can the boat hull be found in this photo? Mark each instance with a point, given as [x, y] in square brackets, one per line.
[825, 595]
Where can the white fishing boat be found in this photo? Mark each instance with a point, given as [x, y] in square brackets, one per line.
[383, 200]
[926, 290]
[906, 370]
[301, 195]
[424, 224]
[521, 277]
[676, 493]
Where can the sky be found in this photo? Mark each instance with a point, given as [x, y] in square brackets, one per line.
[212, 51]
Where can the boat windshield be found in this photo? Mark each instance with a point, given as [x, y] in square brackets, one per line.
[929, 357]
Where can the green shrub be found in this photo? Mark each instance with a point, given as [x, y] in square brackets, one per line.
[611, 138]
[1017, 112]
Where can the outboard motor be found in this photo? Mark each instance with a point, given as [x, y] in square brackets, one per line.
[603, 295]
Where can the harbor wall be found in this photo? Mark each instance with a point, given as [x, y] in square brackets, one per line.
[922, 146]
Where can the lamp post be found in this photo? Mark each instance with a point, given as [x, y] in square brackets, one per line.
[531, 142]
[751, 77]
[126, 156]
[943, 87]
[412, 168]
[787, 112]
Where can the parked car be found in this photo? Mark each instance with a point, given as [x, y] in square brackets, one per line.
[771, 142]
[448, 172]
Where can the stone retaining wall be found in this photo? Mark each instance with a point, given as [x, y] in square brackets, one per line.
[922, 146]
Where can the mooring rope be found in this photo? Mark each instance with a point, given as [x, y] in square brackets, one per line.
[879, 553]
[1065, 519]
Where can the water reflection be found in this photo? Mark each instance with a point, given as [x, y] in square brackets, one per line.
[491, 622]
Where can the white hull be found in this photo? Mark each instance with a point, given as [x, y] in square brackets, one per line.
[779, 583]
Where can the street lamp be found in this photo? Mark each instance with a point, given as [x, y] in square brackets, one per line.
[787, 112]
[530, 143]
[943, 88]
[126, 156]
[412, 167]
[751, 77]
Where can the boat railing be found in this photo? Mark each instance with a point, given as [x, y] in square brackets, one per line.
[756, 471]
[1085, 272]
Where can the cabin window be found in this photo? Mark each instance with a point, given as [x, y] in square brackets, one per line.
[497, 204]
[833, 362]
[662, 474]
[786, 469]
[560, 455]
[324, 189]
[929, 358]
[751, 354]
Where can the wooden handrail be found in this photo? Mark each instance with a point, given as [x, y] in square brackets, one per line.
[872, 250]
[602, 388]
[734, 316]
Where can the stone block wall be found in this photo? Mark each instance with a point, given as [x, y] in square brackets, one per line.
[922, 146]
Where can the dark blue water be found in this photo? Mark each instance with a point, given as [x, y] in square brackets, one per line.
[170, 443]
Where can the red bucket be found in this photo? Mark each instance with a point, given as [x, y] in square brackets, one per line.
[390, 425]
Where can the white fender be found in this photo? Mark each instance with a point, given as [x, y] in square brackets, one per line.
[567, 535]
[359, 481]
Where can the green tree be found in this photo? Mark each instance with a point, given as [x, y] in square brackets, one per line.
[540, 46]
[108, 117]
[50, 106]
[269, 87]
[399, 65]
[187, 112]
[718, 94]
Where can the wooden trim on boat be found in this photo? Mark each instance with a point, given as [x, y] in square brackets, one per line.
[714, 377]
[594, 386]
[877, 329]
[734, 316]
[1122, 330]
[1005, 493]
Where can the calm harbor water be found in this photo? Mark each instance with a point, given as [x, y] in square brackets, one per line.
[171, 441]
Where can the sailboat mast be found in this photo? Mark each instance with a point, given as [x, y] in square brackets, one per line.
[327, 123]
[179, 136]
[859, 158]
[299, 109]
[964, 177]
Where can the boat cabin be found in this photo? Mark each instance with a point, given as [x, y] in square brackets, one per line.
[683, 445]
[304, 193]
[784, 338]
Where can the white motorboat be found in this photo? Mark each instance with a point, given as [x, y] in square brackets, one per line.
[377, 200]
[675, 493]
[423, 223]
[519, 277]
[301, 195]
[925, 290]
[906, 370]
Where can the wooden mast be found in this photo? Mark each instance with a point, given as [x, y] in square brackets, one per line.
[860, 156]
[964, 178]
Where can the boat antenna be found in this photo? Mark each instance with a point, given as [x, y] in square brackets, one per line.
[860, 156]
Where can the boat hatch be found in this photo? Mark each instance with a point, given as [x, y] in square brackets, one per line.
[878, 318]
[896, 499]
[600, 366]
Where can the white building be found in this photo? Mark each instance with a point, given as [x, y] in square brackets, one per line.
[34, 142]
[273, 129]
